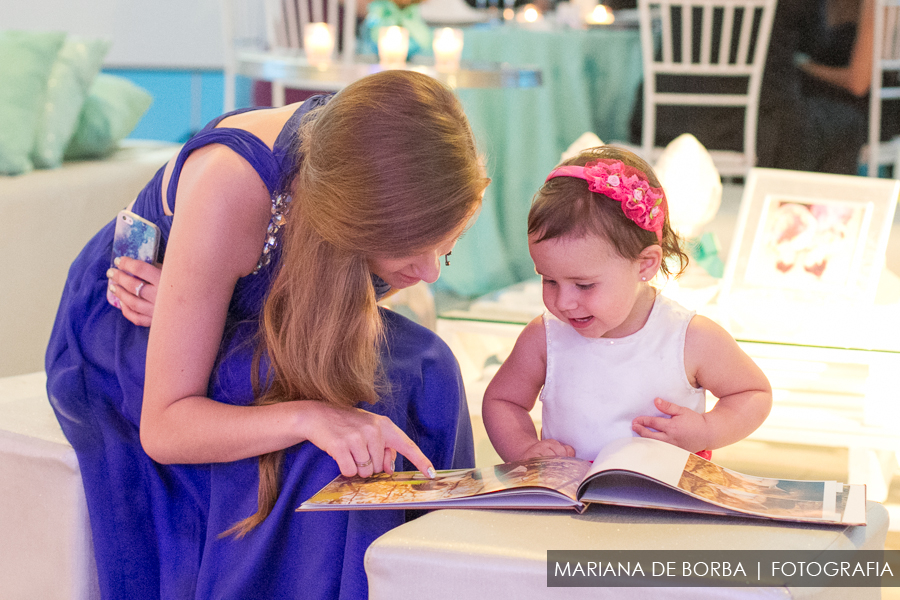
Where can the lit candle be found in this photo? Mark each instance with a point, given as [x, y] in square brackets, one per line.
[393, 45]
[447, 45]
[318, 43]
[529, 14]
[601, 15]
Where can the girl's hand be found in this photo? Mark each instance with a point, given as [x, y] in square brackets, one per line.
[548, 448]
[132, 288]
[362, 443]
[684, 427]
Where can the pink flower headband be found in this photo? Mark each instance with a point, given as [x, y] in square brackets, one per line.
[644, 205]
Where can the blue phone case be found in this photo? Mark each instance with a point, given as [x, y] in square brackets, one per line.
[135, 237]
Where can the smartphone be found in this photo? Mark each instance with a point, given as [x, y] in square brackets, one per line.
[136, 237]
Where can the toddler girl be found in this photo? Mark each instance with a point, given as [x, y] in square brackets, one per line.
[611, 357]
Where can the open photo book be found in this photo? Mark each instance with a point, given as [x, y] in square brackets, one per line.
[637, 472]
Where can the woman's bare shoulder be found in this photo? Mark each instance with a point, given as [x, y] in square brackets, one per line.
[264, 123]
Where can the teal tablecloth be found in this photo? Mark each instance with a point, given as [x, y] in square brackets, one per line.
[589, 81]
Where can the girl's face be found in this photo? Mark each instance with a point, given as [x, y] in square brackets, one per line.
[405, 271]
[590, 286]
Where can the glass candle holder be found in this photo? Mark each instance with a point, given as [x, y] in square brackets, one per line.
[447, 45]
[393, 46]
[318, 43]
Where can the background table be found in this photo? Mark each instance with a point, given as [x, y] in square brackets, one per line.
[589, 79]
[293, 70]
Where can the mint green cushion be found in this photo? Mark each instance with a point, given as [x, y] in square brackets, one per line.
[109, 113]
[70, 81]
[26, 59]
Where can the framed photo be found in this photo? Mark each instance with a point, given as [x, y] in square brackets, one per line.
[810, 238]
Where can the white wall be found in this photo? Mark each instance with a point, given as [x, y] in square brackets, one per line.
[145, 33]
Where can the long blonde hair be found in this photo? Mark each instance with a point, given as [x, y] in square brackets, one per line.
[389, 167]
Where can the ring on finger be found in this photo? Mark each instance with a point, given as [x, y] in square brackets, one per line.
[364, 464]
[137, 290]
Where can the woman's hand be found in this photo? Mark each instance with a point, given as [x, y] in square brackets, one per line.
[362, 443]
[548, 448]
[132, 288]
[683, 427]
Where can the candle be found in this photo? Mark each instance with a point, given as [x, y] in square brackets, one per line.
[528, 14]
[447, 45]
[601, 15]
[318, 43]
[393, 45]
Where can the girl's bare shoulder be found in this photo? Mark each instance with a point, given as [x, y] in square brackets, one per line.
[532, 341]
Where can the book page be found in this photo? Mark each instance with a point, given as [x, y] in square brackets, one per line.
[640, 472]
[758, 495]
[855, 510]
[625, 489]
[652, 458]
[559, 475]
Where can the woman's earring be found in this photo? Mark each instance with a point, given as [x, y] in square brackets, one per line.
[643, 279]
[447, 259]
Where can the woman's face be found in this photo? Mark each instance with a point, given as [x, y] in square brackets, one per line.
[405, 271]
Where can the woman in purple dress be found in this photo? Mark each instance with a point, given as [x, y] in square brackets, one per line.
[268, 368]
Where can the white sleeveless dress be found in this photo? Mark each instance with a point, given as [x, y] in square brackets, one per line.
[595, 387]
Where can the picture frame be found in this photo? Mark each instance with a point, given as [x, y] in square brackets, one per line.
[809, 239]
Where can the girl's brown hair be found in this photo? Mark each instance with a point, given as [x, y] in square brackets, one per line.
[565, 206]
[389, 167]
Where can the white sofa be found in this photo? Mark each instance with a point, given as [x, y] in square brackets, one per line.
[46, 216]
[45, 540]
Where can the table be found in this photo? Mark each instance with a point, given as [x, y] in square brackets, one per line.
[295, 71]
[589, 78]
[470, 554]
[827, 391]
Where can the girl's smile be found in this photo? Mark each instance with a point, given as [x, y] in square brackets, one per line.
[580, 323]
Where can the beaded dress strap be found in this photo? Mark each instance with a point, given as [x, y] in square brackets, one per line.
[263, 161]
[270, 164]
[285, 153]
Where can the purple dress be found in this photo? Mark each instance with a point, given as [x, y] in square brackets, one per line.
[155, 527]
